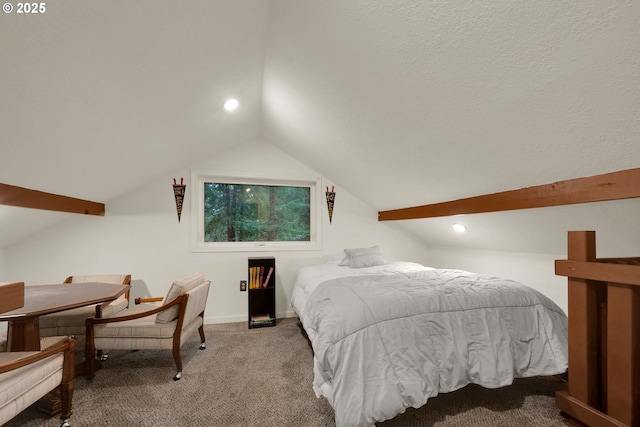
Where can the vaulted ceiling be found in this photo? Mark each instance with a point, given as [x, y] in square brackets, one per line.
[400, 103]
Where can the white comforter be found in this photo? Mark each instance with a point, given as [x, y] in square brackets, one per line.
[387, 338]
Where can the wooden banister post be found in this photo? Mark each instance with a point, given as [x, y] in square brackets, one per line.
[584, 330]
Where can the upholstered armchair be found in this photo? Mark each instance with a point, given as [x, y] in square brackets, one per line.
[27, 376]
[164, 327]
[71, 322]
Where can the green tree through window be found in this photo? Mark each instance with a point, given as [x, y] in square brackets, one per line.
[256, 213]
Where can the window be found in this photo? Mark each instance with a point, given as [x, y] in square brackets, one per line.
[235, 214]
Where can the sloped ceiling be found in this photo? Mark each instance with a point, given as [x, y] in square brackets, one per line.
[101, 97]
[401, 103]
[407, 103]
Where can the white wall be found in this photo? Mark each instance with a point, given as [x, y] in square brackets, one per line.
[535, 270]
[140, 235]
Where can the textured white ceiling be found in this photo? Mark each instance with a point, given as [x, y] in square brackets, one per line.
[100, 96]
[431, 101]
[401, 103]
[406, 103]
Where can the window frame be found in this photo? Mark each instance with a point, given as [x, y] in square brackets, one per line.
[198, 179]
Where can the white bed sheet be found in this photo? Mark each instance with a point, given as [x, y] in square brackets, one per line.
[373, 358]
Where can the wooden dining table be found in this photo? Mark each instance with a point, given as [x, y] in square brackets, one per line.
[23, 332]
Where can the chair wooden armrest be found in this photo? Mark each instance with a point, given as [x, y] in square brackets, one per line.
[143, 300]
[89, 322]
[67, 344]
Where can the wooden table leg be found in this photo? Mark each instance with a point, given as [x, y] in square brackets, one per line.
[23, 334]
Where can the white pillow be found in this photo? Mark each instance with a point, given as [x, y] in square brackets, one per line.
[363, 257]
[337, 258]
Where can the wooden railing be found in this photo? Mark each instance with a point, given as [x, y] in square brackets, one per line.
[604, 336]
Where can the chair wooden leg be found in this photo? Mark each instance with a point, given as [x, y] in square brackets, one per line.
[66, 395]
[202, 338]
[178, 359]
[67, 384]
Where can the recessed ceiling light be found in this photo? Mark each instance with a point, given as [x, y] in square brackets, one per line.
[460, 228]
[231, 104]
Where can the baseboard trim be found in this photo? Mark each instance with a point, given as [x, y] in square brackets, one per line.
[209, 320]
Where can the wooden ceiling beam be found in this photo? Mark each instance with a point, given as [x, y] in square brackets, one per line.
[11, 195]
[610, 186]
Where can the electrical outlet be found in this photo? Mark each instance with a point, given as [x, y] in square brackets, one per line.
[243, 285]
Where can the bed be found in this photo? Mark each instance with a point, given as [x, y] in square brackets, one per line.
[388, 336]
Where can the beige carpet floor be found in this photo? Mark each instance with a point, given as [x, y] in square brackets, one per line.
[262, 378]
